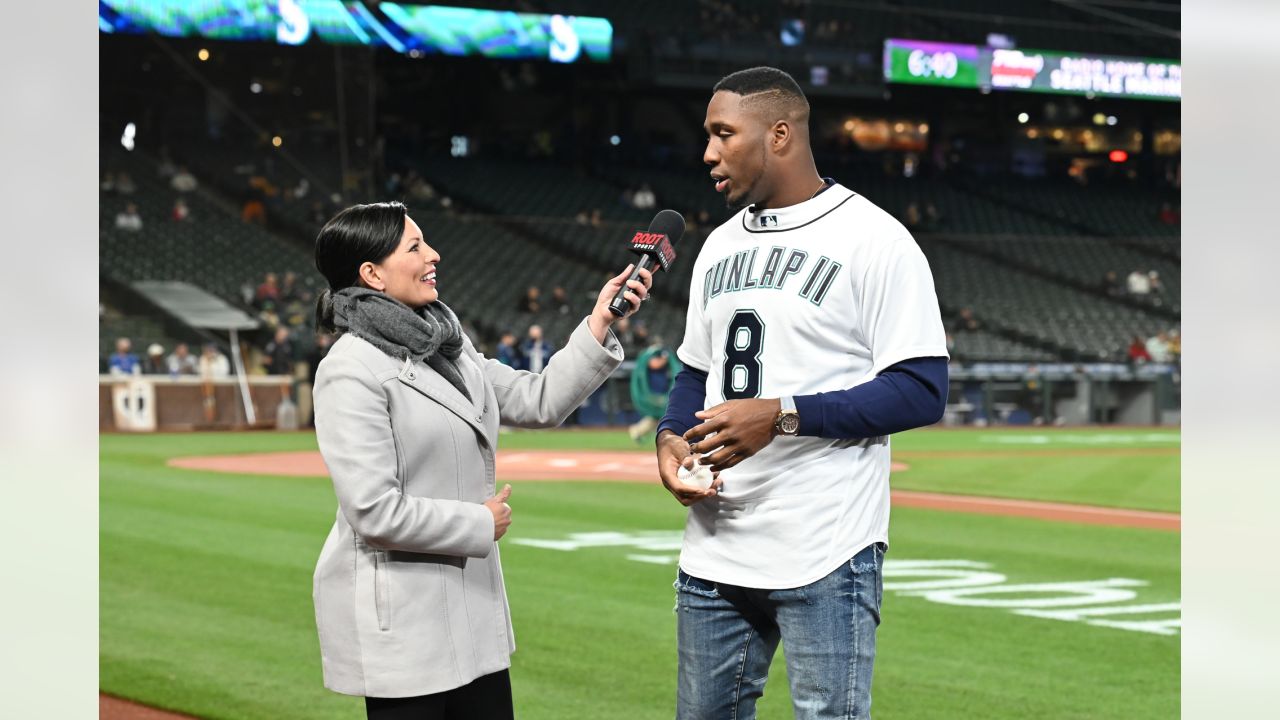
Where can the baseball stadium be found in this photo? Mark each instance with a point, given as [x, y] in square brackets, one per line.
[1031, 151]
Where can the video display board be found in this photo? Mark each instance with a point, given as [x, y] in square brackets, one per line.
[972, 66]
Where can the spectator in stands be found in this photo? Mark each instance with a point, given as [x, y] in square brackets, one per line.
[128, 219]
[507, 353]
[536, 351]
[644, 199]
[394, 186]
[560, 300]
[1168, 215]
[932, 218]
[213, 364]
[1175, 345]
[1138, 351]
[269, 317]
[1111, 284]
[911, 218]
[419, 190]
[278, 355]
[268, 290]
[965, 320]
[108, 184]
[182, 362]
[640, 335]
[165, 170]
[181, 212]
[1158, 348]
[124, 184]
[597, 218]
[530, 302]
[155, 363]
[1139, 283]
[1154, 284]
[183, 181]
[124, 362]
[254, 209]
[289, 290]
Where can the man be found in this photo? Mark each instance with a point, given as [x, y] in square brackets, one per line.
[213, 364]
[813, 333]
[155, 363]
[536, 351]
[128, 219]
[124, 362]
[278, 354]
[182, 362]
[269, 290]
[507, 353]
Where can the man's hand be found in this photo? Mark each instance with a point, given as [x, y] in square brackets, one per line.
[738, 428]
[673, 451]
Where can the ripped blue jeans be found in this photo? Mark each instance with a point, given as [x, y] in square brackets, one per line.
[727, 636]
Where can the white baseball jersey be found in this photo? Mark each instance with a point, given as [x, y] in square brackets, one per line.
[815, 297]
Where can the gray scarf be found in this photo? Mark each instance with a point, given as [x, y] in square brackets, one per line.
[431, 333]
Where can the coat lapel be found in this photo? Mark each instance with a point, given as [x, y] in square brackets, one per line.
[434, 387]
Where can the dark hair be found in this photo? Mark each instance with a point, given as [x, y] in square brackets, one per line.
[760, 79]
[359, 234]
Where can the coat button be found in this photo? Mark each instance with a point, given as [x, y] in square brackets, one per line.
[412, 375]
[479, 418]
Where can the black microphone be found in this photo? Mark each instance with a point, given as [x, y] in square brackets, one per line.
[655, 248]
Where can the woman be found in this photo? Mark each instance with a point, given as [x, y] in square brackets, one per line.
[410, 604]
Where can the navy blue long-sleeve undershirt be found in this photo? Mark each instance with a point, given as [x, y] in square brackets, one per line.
[905, 395]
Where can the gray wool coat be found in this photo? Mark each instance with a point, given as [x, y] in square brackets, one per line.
[408, 589]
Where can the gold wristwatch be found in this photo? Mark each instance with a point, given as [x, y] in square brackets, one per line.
[788, 420]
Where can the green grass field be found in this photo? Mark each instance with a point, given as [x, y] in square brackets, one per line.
[205, 584]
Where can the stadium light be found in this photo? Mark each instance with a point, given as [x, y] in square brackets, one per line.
[1099, 119]
[1023, 118]
[615, 140]
[255, 87]
[1118, 156]
[1111, 120]
[203, 54]
[277, 141]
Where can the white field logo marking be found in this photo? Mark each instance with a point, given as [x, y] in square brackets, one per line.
[1109, 602]
[1082, 439]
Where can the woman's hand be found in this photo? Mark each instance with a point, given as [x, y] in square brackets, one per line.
[637, 292]
[501, 512]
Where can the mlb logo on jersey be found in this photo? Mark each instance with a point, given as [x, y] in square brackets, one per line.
[767, 221]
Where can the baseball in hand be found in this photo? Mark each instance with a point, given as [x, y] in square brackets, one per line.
[699, 476]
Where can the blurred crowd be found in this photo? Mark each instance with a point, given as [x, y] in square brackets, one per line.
[1165, 347]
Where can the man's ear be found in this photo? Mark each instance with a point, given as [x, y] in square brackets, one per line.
[371, 277]
[780, 136]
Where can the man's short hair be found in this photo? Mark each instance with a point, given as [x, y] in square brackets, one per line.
[770, 90]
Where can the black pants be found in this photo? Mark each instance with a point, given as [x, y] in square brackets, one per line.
[485, 698]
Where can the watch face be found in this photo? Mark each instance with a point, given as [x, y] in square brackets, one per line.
[789, 423]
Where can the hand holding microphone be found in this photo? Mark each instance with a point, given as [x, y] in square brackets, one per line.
[622, 295]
